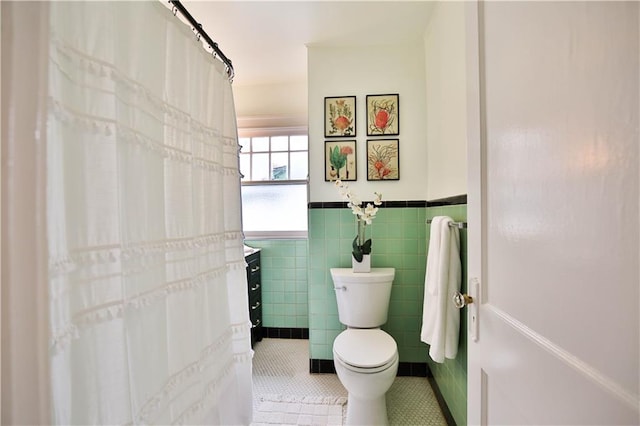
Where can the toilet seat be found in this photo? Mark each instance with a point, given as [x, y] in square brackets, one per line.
[365, 350]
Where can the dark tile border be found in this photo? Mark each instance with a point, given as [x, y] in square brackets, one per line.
[285, 333]
[441, 402]
[321, 366]
[413, 369]
[385, 204]
[449, 201]
[327, 205]
[406, 369]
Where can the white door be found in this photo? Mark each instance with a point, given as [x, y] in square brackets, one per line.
[554, 212]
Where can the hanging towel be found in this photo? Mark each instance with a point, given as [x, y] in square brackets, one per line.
[440, 318]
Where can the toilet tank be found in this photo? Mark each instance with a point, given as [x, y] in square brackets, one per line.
[363, 298]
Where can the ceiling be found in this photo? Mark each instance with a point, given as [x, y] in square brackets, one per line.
[266, 40]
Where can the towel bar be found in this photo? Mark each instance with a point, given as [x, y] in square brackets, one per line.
[461, 225]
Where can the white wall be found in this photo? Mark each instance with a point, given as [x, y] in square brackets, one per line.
[362, 71]
[446, 102]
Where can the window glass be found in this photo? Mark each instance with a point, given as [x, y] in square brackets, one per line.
[274, 207]
[280, 143]
[279, 165]
[299, 165]
[260, 144]
[245, 166]
[260, 167]
[299, 143]
[245, 144]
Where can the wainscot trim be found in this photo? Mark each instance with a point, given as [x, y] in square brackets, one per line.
[441, 402]
[285, 333]
[448, 201]
[406, 369]
[385, 204]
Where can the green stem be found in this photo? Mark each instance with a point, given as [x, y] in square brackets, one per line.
[361, 231]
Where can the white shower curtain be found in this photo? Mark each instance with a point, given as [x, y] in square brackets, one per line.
[147, 287]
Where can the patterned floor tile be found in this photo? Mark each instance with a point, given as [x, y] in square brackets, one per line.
[281, 367]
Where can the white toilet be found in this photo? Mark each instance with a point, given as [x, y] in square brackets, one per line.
[365, 357]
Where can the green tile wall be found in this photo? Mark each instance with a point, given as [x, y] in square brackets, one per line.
[451, 376]
[399, 241]
[284, 282]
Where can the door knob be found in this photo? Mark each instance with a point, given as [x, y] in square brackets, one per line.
[461, 300]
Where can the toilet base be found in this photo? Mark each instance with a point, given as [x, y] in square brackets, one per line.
[367, 411]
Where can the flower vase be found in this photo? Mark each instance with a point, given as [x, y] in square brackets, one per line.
[364, 266]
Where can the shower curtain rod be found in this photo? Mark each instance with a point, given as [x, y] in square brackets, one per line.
[177, 6]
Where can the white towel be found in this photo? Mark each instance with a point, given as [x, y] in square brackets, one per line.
[440, 318]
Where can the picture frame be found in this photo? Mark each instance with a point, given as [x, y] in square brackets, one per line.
[383, 115]
[339, 116]
[340, 160]
[383, 159]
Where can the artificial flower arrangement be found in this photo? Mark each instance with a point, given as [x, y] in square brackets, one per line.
[364, 217]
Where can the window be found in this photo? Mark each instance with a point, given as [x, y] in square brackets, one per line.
[274, 184]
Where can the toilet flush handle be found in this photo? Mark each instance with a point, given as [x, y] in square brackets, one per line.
[343, 288]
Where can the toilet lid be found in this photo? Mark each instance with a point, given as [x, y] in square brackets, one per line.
[365, 348]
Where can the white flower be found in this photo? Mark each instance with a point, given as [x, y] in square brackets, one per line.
[357, 210]
[355, 204]
[370, 210]
[361, 245]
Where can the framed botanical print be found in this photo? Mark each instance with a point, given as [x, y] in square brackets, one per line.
[340, 160]
[383, 115]
[340, 116]
[383, 159]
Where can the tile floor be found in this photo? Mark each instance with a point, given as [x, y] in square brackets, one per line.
[281, 367]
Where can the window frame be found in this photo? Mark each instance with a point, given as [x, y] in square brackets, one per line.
[270, 133]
